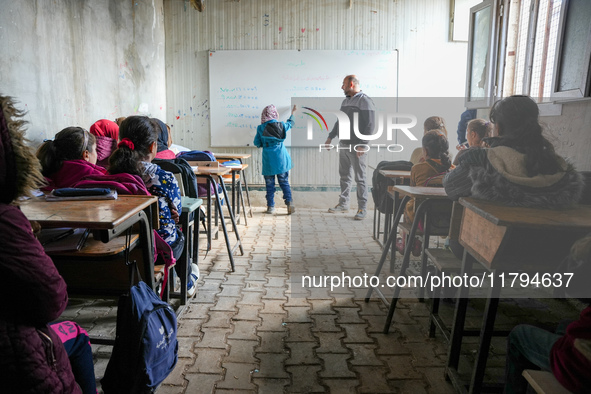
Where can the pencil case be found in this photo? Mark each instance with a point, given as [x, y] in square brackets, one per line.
[75, 192]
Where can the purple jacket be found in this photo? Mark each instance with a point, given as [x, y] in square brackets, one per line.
[32, 357]
[123, 183]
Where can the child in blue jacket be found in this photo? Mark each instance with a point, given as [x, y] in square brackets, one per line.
[276, 161]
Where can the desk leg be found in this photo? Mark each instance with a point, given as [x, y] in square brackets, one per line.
[146, 234]
[233, 220]
[457, 331]
[209, 215]
[387, 247]
[234, 196]
[488, 324]
[406, 260]
[246, 190]
[241, 202]
[388, 218]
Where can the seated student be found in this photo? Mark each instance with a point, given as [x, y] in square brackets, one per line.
[107, 134]
[34, 359]
[69, 157]
[431, 123]
[437, 162]
[476, 131]
[134, 154]
[465, 117]
[164, 141]
[520, 168]
[567, 352]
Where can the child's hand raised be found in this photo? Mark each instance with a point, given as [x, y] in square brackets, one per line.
[295, 108]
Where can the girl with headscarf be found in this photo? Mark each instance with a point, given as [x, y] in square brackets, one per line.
[276, 161]
[36, 357]
[106, 133]
[164, 141]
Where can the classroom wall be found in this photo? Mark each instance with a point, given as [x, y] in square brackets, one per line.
[570, 133]
[72, 62]
[419, 29]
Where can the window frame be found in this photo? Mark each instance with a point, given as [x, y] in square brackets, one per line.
[584, 88]
[497, 61]
[491, 62]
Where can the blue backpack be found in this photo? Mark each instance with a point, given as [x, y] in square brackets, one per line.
[198, 155]
[146, 346]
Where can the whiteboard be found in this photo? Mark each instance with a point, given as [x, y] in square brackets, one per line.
[242, 83]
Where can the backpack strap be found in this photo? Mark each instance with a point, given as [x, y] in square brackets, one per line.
[433, 177]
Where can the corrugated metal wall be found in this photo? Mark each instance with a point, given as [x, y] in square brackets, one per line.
[430, 65]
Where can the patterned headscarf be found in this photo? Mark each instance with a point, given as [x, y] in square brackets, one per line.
[269, 113]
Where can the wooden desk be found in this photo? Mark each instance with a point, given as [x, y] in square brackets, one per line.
[425, 197]
[208, 173]
[109, 217]
[399, 177]
[240, 157]
[232, 156]
[509, 239]
[236, 206]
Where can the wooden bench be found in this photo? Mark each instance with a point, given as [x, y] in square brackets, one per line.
[543, 382]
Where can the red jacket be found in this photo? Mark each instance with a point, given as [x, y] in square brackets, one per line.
[32, 357]
[71, 172]
[570, 367]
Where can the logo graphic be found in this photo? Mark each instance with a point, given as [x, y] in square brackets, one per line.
[315, 118]
[387, 122]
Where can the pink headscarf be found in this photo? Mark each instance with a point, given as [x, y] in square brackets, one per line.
[269, 113]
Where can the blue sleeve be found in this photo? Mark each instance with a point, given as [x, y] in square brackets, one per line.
[288, 124]
[257, 138]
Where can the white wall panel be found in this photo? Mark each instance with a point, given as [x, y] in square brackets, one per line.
[71, 63]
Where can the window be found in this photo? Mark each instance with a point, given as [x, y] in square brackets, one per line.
[541, 48]
[535, 49]
[482, 54]
[573, 59]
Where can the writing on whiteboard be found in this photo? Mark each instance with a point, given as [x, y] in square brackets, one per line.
[239, 89]
[305, 78]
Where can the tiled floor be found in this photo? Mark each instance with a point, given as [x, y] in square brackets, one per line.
[258, 330]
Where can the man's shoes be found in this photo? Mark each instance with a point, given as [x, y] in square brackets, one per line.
[270, 210]
[360, 215]
[338, 208]
[290, 208]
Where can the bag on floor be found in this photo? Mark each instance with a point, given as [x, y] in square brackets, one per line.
[146, 346]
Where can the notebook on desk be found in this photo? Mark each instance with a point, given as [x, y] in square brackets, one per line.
[72, 194]
[62, 240]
